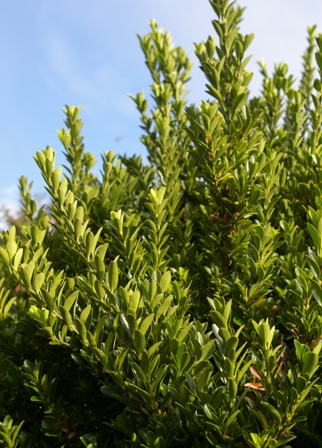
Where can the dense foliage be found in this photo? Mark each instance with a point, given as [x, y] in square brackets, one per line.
[175, 303]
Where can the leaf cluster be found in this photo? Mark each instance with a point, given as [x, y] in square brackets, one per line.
[177, 302]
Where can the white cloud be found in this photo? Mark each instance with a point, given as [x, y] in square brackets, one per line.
[8, 202]
[280, 32]
[279, 29]
[71, 62]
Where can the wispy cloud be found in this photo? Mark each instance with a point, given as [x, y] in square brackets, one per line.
[90, 81]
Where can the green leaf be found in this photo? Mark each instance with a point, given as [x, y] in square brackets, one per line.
[210, 412]
[138, 371]
[301, 384]
[26, 272]
[146, 323]
[89, 243]
[318, 57]
[214, 92]
[66, 316]
[17, 258]
[158, 379]
[218, 319]
[134, 300]
[126, 325]
[284, 441]
[71, 299]
[265, 332]
[48, 299]
[4, 256]
[315, 236]
[100, 355]
[100, 267]
[84, 315]
[238, 102]
[99, 327]
[80, 327]
[113, 275]
[232, 418]
[231, 345]
[121, 358]
[139, 342]
[243, 370]
[310, 363]
[11, 248]
[163, 307]
[272, 411]
[152, 350]
[165, 281]
[256, 440]
[38, 281]
[317, 293]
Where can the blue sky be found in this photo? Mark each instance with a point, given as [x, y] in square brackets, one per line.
[57, 52]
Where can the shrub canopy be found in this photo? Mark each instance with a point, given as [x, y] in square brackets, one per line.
[175, 303]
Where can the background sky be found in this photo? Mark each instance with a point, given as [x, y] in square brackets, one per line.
[57, 52]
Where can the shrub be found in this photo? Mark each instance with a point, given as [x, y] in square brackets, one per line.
[177, 303]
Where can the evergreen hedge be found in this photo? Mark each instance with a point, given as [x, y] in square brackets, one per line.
[176, 303]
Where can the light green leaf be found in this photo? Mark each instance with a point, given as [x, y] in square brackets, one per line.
[165, 281]
[113, 275]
